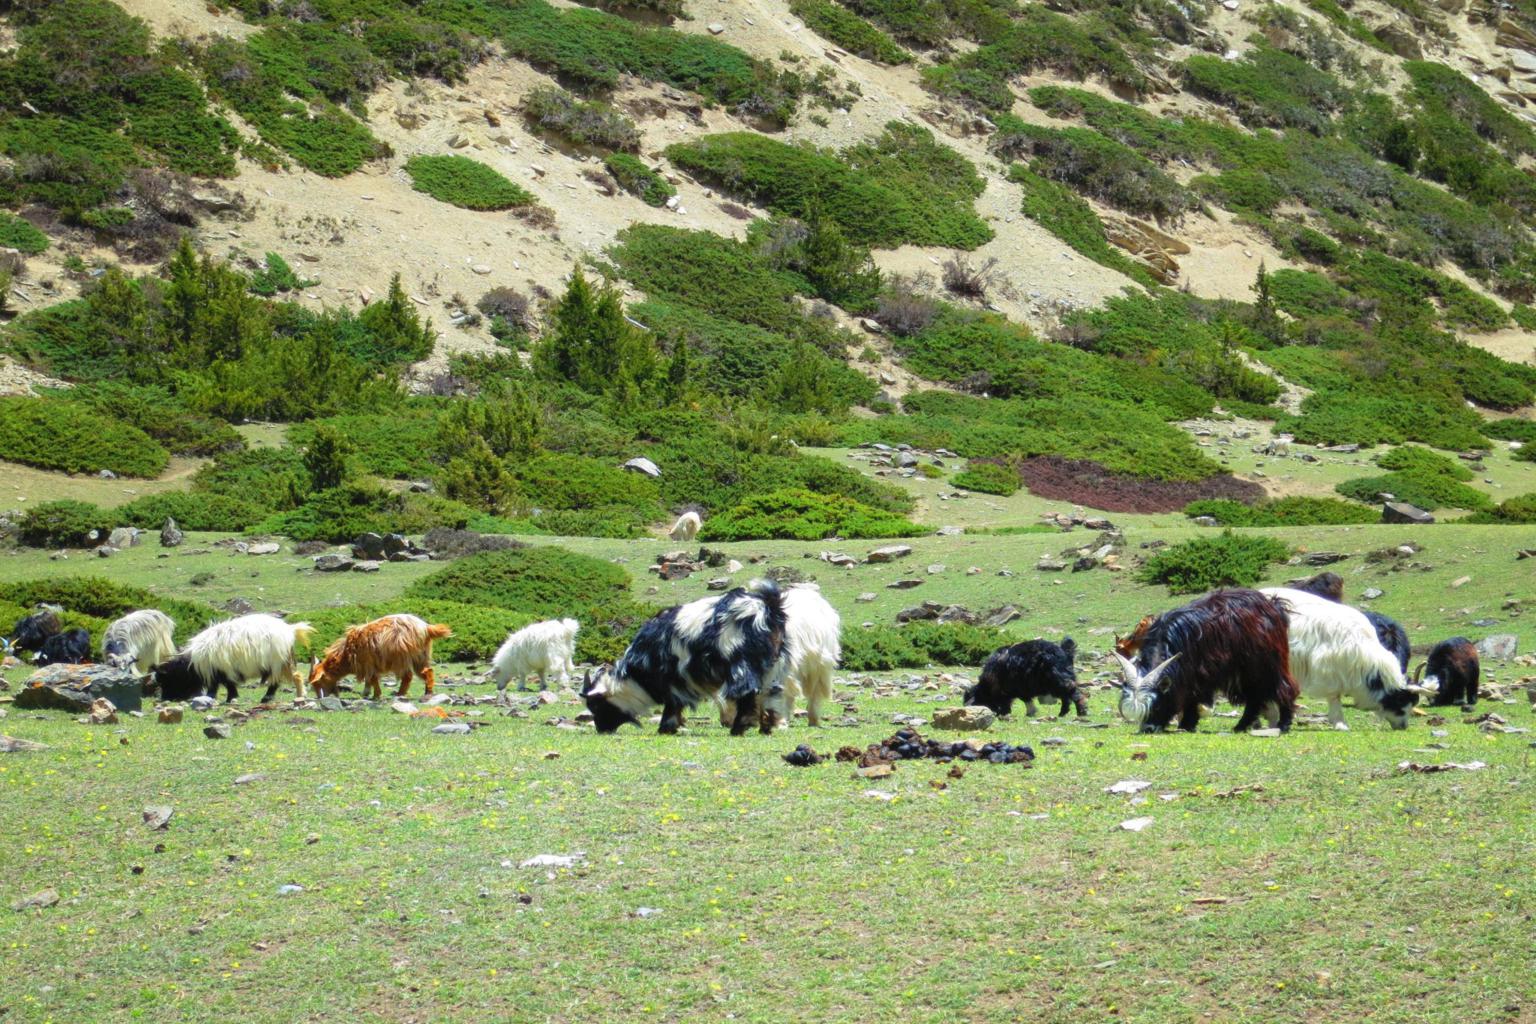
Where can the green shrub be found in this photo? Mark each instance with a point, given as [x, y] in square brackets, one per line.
[1524, 316]
[580, 122]
[639, 180]
[1268, 87]
[1305, 294]
[16, 233]
[460, 181]
[1064, 214]
[1411, 459]
[339, 514]
[103, 599]
[268, 478]
[192, 511]
[1518, 511]
[64, 524]
[917, 645]
[1512, 429]
[1294, 511]
[988, 478]
[161, 414]
[400, 445]
[901, 188]
[477, 630]
[848, 30]
[277, 276]
[1427, 480]
[54, 434]
[1094, 165]
[794, 514]
[1230, 560]
[573, 483]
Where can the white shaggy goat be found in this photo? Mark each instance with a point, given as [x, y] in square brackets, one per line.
[228, 653]
[813, 646]
[141, 639]
[687, 527]
[548, 648]
[1335, 653]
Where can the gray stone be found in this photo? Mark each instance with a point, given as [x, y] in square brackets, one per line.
[715, 28]
[865, 598]
[1404, 513]
[331, 704]
[333, 563]
[889, 553]
[1322, 558]
[396, 543]
[123, 537]
[170, 535]
[1206, 521]
[217, 731]
[904, 460]
[643, 465]
[106, 474]
[106, 551]
[1371, 593]
[40, 900]
[1498, 647]
[264, 548]
[75, 687]
[1049, 564]
[951, 531]
[12, 745]
[935, 569]
[368, 545]
[421, 487]
[967, 719]
[903, 584]
[452, 729]
[1001, 616]
[719, 583]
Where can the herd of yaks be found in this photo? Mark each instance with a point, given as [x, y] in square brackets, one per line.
[755, 649]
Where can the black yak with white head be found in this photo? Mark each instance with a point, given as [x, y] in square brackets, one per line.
[1029, 671]
[1230, 642]
[729, 646]
[1452, 672]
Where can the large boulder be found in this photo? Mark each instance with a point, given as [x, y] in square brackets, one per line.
[1498, 647]
[889, 553]
[76, 687]
[973, 718]
[171, 535]
[369, 546]
[1403, 513]
[123, 537]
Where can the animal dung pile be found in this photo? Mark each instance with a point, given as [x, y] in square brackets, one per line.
[910, 745]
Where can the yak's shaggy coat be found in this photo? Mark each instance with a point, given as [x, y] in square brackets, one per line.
[395, 645]
[71, 647]
[1335, 653]
[32, 630]
[813, 642]
[1388, 630]
[546, 648]
[686, 528]
[1453, 671]
[1029, 671]
[228, 653]
[731, 644]
[141, 640]
[1229, 642]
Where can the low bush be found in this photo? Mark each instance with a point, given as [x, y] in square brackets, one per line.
[1512, 429]
[1096, 166]
[1064, 214]
[64, 524]
[794, 514]
[277, 276]
[1423, 461]
[1427, 490]
[463, 182]
[18, 234]
[339, 514]
[988, 478]
[1517, 511]
[917, 645]
[1268, 87]
[1294, 511]
[400, 445]
[192, 511]
[841, 26]
[161, 414]
[62, 435]
[104, 599]
[269, 478]
[580, 122]
[1205, 563]
[639, 180]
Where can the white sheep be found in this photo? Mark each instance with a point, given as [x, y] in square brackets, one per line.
[813, 647]
[141, 639]
[547, 648]
[687, 527]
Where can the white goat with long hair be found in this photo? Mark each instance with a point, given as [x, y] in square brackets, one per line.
[141, 639]
[1335, 653]
[547, 648]
[229, 653]
[687, 527]
[813, 647]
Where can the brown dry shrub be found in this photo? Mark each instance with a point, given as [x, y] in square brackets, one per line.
[1087, 483]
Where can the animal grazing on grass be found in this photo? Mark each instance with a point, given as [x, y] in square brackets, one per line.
[140, 640]
[731, 644]
[395, 645]
[1028, 671]
[1126, 646]
[687, 527]
[230, 652]
[547, 648]
[1229, 641]
[1335, 653]
[1452, 671]
[1388, 630]
[71, 647]
[813, 646]
[33, 629]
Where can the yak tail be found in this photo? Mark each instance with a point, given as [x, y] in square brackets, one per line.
[438, 631]
[302, 632]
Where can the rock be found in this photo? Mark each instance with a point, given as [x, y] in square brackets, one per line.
[420, 487]
[872, 326]
[889, 553]
[170, 716]
[950, 531]
[331, 704]
[106, 474]
[202, 702]
[264, 548]
[1322, 558]
[403, 707]
[1206, 521]
[1498, 647]
[217, 731]
[715, 28]
[157, 816]
[935, 569]
[103, 712]
[39, 900]
[865, 598]
[106, 551]
[1049, 564]
[1404, 513]
[643, 465]
[1371, 593]
[76, 687]
[366, 566]
[12, 745]
[1001, 616]
[170, 535]
[972, 718]
[719, 583]
[124, 537]
[333, 563]
[481, 269]
[903, 584]
[452, 729]
[396, 544]
[904, 460]
[368, 545]
[1460, 581]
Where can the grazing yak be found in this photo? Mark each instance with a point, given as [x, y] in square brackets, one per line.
[1032, 670]
[1335, 653]
[1451, 672]
[139, 640]
[1388, 630]
[71, 647]
[395, 645]
[687, 527]
[32, 630]
[230, 652]
[1230, 642]
[813, 646]
[546, 648]
[730, 644]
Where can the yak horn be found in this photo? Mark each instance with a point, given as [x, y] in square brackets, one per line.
[1128, 669]
[1418, 672]
[1151, 678]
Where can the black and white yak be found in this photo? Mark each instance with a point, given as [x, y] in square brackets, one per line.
[1452, 672]
[71, 647]
[1388, 630]
[228, 653]
[1230, 642]
[813, 645]
[1030, 671]
[730, 646]
[139, 640]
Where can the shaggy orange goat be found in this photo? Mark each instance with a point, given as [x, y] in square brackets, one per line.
[397, 645]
